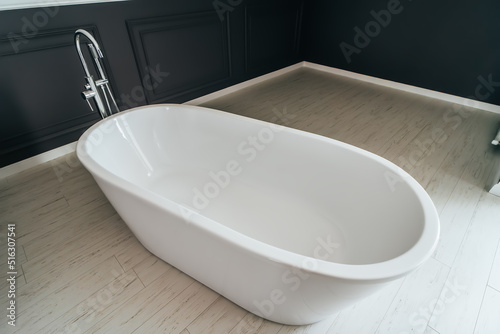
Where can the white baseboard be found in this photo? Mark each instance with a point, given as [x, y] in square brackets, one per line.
[495, 190]
[407, 88]
[66, 149]
[242, 85]
[37, 160]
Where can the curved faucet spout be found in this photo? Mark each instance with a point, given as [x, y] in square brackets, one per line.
[79, 50]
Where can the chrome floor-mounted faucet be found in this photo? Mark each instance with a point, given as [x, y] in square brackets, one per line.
[104, 99]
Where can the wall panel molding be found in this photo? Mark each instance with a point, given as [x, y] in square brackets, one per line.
[35, 93]
[155, 52]
[192, 52]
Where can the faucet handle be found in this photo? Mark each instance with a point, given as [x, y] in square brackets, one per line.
[88, 94]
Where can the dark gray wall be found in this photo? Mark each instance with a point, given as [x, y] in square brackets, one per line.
[450, 46]
[176, 50]
[156, 51]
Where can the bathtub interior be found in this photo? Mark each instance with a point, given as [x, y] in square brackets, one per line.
[303, 193]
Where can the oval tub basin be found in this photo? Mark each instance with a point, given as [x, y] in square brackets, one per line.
[289, 225]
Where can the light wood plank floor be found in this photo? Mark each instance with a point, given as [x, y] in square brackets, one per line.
[80, 270]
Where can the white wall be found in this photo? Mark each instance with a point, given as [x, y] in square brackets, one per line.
[18, 4]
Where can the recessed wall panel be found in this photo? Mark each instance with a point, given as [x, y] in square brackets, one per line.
[177, 55]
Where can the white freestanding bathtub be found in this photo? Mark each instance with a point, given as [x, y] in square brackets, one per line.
[289, 225]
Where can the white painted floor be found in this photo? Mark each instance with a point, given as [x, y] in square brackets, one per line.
[80, 270]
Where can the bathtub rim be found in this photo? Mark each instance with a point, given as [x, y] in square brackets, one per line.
[387, 270]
